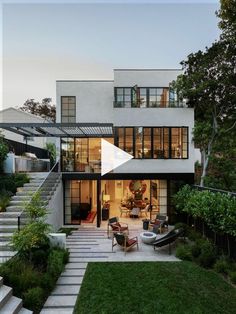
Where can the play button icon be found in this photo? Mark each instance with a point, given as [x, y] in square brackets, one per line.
[112, 157]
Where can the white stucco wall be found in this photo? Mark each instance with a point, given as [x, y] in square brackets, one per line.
[55, 208]
[94, 99]
[94, 103]
[144, 78]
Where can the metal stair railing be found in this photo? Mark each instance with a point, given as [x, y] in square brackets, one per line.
[40, 189]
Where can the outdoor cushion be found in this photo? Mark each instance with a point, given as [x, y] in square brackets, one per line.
[130, 242]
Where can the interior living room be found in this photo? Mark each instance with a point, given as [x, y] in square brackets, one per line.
[128, 199]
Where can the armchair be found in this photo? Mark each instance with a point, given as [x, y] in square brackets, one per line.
[116, 226]
[124, 241]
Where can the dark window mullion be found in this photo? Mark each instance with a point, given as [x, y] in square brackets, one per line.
[170, 143]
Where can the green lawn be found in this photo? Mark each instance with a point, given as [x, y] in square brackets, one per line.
[154, 288]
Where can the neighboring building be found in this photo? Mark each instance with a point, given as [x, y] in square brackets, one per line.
[148, 122]
[20, 143]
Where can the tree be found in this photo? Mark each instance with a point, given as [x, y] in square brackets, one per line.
[209, 85]
[44, 109]
[3, 152]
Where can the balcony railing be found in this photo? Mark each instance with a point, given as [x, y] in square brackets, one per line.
[156, 104]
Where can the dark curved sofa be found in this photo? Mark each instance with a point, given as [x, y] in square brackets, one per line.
[168, 238]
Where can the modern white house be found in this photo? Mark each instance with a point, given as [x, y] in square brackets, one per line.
[147, 121]
[137, 112]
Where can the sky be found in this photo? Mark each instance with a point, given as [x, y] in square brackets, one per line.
[46, 42]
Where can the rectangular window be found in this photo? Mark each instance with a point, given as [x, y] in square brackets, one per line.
[155, 143]
[123, 97]
[68, 109]
[159, 97]
[129, 140]
[147, 144]
[67, 154]
[142, 99]
[158, 152]
[139, 142]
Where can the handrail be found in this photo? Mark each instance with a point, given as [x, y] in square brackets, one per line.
[198, 187]
[55, 167]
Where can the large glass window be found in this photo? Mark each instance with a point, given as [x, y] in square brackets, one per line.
[68, 109]
[156, 143]
[147, 144]
[122, 97]
[129, 140]
[142, 97]
[67, 154]
[139, 142]
[158, 97]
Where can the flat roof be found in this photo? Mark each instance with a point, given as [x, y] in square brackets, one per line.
[60, 129]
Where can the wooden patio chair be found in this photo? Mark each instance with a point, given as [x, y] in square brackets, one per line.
[115, 225]
[122, 239]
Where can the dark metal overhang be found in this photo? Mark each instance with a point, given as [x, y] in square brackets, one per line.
[60, 129]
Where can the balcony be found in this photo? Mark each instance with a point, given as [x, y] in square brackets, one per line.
[156, 104]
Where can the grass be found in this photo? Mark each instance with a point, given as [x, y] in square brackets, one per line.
[151, 287]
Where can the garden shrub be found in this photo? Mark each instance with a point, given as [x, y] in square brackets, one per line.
[193, 235]
[207, 256]
[222, 266]
[183, 226]
[11, 182]
[183, 252]
[5, 197]
[196, 249]
[232, 276]
[55, 262]
[33, 299]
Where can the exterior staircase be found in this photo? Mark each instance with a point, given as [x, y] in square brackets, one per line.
[9, 218]
[8, 303]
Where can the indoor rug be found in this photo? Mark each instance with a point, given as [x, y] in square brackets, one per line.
[90, 217]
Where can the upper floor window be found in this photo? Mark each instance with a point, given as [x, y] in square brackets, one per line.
[68, 109]
[154, 143]
[142, 97]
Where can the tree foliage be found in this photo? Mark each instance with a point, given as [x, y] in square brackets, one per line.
[34, 235]
[45, 109]
[209, 85]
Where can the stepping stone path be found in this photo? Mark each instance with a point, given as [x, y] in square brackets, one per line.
[83, 247]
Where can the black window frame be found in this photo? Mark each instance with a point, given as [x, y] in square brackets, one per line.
[68, 116]
[162, 141]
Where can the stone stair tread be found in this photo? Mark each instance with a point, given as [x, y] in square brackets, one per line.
[5, 294]
[12, 306]
[7, 253]
[25, 311]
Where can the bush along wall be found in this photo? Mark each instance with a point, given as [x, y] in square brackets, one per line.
[33, 272]
[210, 213]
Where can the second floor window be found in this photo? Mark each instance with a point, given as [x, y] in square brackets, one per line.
[142, 97]
[68, 109]
[154, 143]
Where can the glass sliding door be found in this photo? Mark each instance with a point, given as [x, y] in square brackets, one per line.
[81, 154]
[80, 204]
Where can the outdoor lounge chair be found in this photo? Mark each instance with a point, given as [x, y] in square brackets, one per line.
[122, 239]
[168, 238]
[160, 222]
[115, 225]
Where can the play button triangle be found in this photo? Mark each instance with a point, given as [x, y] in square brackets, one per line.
[112, 157]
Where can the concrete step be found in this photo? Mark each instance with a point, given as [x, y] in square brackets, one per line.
[5, 236]
[25, 311]
[8, 228]
[5, 295]
[15, 208]
[23, 198]
[10, 214]
[7, 254]
[5, 246]
[8, 221]
[13, 306]
[42, 193]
